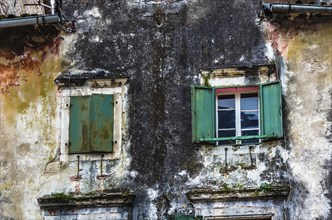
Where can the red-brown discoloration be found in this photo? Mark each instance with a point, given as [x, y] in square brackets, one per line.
[278, 39]
[28, 60]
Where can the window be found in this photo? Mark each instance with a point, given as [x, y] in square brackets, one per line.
[238, 115]
[91, 124]
[92, 117]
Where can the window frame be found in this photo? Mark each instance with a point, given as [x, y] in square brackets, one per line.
[237, 100]
[119, 91]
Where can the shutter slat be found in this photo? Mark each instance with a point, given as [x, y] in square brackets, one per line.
[203, 113]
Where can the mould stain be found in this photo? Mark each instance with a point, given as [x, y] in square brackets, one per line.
[309, 41]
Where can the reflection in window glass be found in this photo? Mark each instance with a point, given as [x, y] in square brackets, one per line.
[226, 102]
[226, 119]
[249, 101]
[249, 120]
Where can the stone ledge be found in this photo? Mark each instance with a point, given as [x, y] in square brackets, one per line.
[80, 77]
[225, 195]
[93, 199]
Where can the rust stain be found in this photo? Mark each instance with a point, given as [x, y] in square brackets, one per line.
[277, 38]
[15, 69]
[105, 133]
[85, 144]
[26, 78]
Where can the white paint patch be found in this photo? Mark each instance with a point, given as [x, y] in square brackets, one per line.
[313, 46]
[152, 211]
[95, 39]
[94, 12]
[269, 53]
[152, 193]
[182, 173]
[133, 174]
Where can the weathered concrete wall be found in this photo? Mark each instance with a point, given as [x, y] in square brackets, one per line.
[28, 111]
[161, 46]
[303, 49]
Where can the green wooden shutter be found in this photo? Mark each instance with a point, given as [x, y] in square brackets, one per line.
[79, 124]
[271, 109]
[203, 113]
[102, 123]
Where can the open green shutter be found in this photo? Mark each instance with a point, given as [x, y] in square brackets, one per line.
[203, 113]
[102, 123]
[79, 124]
[271, 109]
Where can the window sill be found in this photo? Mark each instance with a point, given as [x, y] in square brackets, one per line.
[238, 138]
[89, 157]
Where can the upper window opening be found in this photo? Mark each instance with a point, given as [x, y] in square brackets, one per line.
[92, 115]
[237, 115]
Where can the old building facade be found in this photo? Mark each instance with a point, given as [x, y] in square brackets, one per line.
[166, 109]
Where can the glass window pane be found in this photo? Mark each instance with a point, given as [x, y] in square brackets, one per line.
[249, 120]
[249, 101]
[249, 133]
[226, 119]
[226, 101]
[228, 133]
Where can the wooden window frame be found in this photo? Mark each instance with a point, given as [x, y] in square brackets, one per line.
[118, 91]
[237, 92]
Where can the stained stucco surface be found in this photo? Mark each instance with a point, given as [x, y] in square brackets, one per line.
[305, 50]
[161, 46]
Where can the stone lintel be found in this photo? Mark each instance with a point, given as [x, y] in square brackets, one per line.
[89, 200]
[95, 77]
[225, 195]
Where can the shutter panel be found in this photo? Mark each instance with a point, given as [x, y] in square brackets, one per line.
[102, 123]
[79, 124]
[203, 113]
[271, 109]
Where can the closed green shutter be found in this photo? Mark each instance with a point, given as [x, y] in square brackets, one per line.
[102, 123]
[203, 113]
[79, 124]
[271, 109]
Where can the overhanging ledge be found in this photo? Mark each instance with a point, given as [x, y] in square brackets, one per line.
[269, 192]
[82, 77]
[93, 199]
